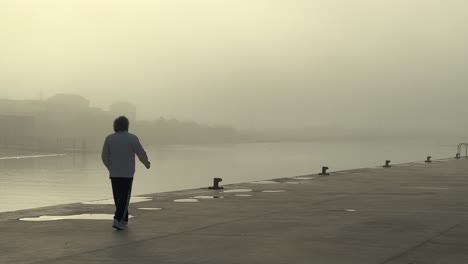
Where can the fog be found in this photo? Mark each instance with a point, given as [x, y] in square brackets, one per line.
[259, 64]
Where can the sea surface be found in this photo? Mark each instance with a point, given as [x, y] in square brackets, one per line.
[42, 181]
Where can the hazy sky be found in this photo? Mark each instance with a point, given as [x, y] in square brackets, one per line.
[249, 63]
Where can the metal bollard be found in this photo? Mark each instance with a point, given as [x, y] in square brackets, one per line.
[387, 164]
[428, 160]
[216, 186]
[324, 171]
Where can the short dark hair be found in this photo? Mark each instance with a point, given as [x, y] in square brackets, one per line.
[121, 124]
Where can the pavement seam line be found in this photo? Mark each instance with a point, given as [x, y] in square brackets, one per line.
[423, 242]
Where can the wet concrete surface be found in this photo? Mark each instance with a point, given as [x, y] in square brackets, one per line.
[401, 215]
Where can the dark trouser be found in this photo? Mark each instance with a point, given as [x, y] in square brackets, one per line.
[122, 189]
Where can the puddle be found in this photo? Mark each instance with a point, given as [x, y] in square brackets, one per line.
[186, 201]
[244, 195]
[150, 209]
[208, 197]
[292, 182]
[274, 191]
[305, 178]
[111, 201]
[71, 217]
[237, 190]
[264, 182]
[342, 210]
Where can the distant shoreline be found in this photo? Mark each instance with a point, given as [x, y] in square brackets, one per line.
[14, 153]
[31, 156]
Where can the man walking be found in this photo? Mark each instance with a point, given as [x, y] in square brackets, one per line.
[118, 155]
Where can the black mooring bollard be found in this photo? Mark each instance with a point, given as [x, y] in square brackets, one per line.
[216, 186]
[428, 160]
[457, 156]
[324, 171]
[387, 164]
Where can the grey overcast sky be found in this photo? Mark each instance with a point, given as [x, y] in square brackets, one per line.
[248, 63]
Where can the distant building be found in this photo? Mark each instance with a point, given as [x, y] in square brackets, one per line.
[70, 100]
[63, 121]
[16, 128]
[124, 108]
[21, 107]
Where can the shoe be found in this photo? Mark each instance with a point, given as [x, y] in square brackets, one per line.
[115, 224]
[118, 225]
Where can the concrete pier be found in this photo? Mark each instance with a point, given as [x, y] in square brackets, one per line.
[410, 213]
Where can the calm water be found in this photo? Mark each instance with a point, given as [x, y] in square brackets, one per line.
[35, 182]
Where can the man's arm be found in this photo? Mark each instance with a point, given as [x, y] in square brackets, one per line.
[141, 153]
[105, 156]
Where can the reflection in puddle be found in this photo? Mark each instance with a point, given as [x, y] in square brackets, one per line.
[208, 197]
[264, 182]
[274, 191]
[186, 201]
[305, 178]
[342, 210]
[111, 201]
[237, 190]
[292, 182]
[71, 217]
[150, 209]
[244, 195]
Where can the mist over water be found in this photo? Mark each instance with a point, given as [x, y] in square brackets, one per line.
[385, 66]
